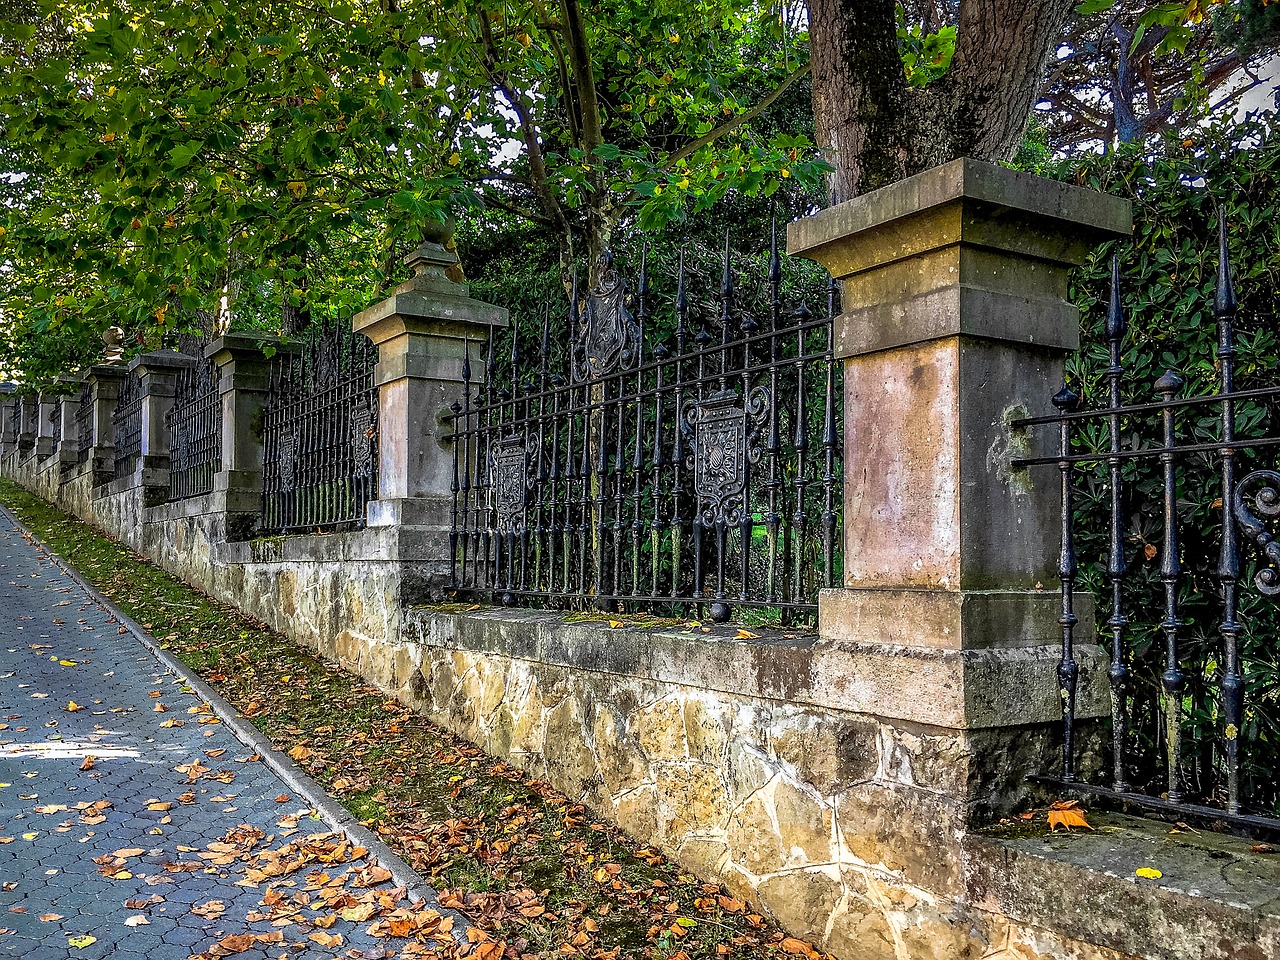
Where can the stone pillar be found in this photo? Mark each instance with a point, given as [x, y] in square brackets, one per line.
[8, 403]
[244, 372]
[28, 413]
[157, 374]
[46, 424]
[68, 439]
[956, 321]
[104, 390]
[423, 331]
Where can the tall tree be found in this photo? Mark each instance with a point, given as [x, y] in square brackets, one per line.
[1130, 70]
[880, 127]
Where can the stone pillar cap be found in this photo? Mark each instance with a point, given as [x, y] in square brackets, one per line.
[428, 302]
[159, 360]
[242, 343]
[107, 371]
[1087, 216]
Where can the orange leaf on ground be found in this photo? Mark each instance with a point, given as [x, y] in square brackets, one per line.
[1067, 814]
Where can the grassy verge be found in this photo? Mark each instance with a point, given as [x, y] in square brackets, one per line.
[531, 868]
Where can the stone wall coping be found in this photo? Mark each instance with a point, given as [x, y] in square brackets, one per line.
[107, 371]
[159, 360]
[1074, 209]
[1214, 895]
[8, 387]
[953, 689]
[247, 343]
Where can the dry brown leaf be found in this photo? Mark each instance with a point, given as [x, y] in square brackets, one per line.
[88, 762]
[1067, 814]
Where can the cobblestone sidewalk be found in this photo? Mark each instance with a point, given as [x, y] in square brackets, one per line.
[133, 824]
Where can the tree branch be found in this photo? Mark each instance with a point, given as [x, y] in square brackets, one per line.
[711, 136]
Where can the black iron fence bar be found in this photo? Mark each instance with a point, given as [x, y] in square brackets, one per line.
[569, 521]
[1229, 629]
[1236, 518]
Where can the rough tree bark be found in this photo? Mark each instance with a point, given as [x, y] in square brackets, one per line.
[879, 130]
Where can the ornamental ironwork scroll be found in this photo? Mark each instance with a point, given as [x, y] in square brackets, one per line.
[1265, 487]
[726, 442]
[510, 484]
[610, 337]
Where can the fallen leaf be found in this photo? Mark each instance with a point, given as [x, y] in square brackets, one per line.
[283, 798]
[89, 761]
[1067, 814]
[82, 941]
[137, 920]
[1149, 873]
[50, 917]
[73, 707]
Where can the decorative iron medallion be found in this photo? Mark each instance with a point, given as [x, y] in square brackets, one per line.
[288, 445]
[510, 483]
[363, 433]
[1266, 500]
[610, 335]
[726, 440]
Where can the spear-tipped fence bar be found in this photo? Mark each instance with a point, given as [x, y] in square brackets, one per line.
[127, 421]
[195, 425]
[320, 435]
[1243, 507]
[664, 461]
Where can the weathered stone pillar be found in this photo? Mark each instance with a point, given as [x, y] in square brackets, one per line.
[28, 414]
[46, 439]
[8, 403]
[423, 331]
[104, 390]
[157, 373]
[244, 373]
[956, 321]
[68, 438]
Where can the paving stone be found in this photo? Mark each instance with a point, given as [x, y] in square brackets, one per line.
[58, 645]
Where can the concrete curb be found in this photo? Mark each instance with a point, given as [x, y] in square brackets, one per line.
[334, 814]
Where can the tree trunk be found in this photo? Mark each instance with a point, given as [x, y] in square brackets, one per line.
[878, 130]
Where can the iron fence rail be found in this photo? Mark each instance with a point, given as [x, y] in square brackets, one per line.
[642, 471]
[195, 425]
[1200, 776]
[320, 435]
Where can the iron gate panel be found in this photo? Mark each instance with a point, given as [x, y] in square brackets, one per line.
[127, 421]
[320, 435]
[649, 470]
[195, 425]
[1177, 769]
[84, 423]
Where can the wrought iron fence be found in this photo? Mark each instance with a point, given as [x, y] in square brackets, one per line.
[84, 423]
[320, 435]
[655, 449]
[1187, 733]
[126, 421]
[195, 424]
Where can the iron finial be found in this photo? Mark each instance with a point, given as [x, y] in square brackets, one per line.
[1224, 297]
